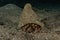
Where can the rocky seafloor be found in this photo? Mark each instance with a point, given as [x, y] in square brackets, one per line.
[9, 20]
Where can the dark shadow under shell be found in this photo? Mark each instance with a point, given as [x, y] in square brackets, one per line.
[31, 28]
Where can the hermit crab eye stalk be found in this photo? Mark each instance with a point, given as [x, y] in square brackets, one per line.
[31, 28]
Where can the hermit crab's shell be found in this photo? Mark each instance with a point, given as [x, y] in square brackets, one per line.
[29, 16]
